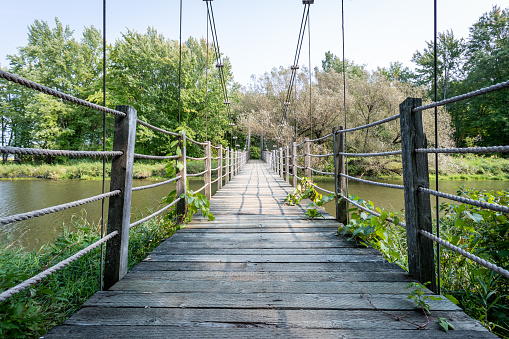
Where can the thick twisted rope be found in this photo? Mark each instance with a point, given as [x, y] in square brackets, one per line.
[147, 218]
[482, 204]
[321, 189]
[402, 224]
[155, 157]
[466, 254]
[38, 87]
[463, 96]
[213, 182]
[54, 209]
[491, 149]
[196, 142]
[299, 155]
[320, 155]
[37, 151]
[214, 158]
[324, 137]
[197, 174]
[140, 188]
[317, 171]
[299, 167]
[379, 154]
[383, 121]
[35, 279]
[146, 124]
[382, 184]
[191, 158]
[214, 169]
[201, 189]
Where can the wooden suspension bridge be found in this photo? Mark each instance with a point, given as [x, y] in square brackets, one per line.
[262, 270]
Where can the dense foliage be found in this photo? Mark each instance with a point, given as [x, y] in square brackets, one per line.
[30, 313]
[142, 71]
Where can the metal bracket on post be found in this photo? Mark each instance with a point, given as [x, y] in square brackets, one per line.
[340, 181]
[208, 168]
[119, 209]
[307, 157]
[421, 260]
[182, 182]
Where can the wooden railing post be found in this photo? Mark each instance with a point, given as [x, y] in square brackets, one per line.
[294, 164]
[281, 160]
[220, 165]
[233, 163]
[421, 260]
[287, 161]
[227, 167]
[307, 157]
[208, 168]
[182, 182]
[119, 209]
[340, 181]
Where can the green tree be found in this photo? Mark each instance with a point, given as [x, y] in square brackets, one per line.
[332, 62]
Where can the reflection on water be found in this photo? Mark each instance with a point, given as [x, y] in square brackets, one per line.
[19, 196]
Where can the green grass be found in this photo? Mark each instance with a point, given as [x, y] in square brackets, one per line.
[32, 312]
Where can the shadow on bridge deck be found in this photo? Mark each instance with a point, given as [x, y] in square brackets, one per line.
[261, 270]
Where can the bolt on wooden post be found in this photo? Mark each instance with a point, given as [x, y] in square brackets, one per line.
[421, 260]
[294, 164]
[182, 182]
[340, 181]
[208, 168]
[119, 209]
[307, 157]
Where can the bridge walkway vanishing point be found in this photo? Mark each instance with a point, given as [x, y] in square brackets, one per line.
[261, 270]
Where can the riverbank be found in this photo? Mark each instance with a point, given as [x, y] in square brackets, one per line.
[87, 170]
[468, 167]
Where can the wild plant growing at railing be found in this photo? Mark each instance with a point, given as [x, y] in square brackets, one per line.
[381, 232]
[480, 292]
[305, 190]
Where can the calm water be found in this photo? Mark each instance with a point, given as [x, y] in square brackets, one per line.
[20, 196]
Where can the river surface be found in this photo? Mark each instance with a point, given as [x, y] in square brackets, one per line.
[18, 196]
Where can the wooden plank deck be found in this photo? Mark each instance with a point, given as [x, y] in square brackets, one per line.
[260, 271]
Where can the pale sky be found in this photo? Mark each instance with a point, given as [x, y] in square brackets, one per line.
[262, 34]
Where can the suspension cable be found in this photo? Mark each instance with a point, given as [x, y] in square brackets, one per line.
[101, 284]
[435, 83]
[344, 89]
[180, 58]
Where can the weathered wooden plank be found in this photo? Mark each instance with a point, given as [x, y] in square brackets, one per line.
[215, 230]
[249, 331]
[259, 277]
[172, 243]
[249, 287]
[267, 267]
[167, 250]
[269, 258]
[260, 301]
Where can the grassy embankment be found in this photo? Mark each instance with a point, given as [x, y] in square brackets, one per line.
[32, 312]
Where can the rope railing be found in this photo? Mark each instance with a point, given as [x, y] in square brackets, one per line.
[35, 279]
[214, 181]
[379, 154]
[318, 139]
[152, 127]
[192, 158]
[155, 157]
[196, 142]
[38, 87]
[469, 95]
[201, 189]
[491, 149]
[197, 174]
[147, 218]
[317, 171]
[402, 224]
[376, 123]
[320, 155]
[140, 188]
[37, 151]
[54, 209]
[382, 184]
[322, 189]
[466, 254]
[477, 203]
